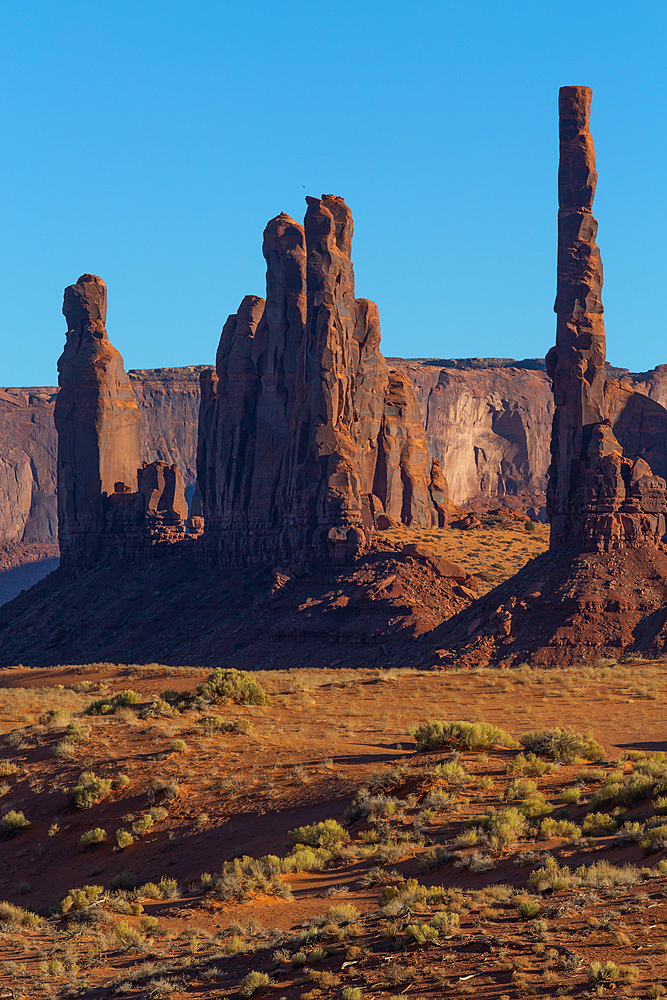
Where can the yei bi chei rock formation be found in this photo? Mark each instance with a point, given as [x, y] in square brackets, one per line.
[307, 440]
[109, 503]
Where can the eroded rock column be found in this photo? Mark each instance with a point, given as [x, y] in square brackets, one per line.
[98, 424]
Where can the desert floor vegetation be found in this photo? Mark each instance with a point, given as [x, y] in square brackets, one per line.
[333, 833]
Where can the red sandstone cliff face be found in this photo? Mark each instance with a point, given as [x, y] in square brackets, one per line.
[489, 426]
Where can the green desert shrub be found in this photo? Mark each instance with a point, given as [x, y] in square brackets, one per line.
[254, 982]
[421, 933]
[599, 824]
[216, 724]
[563, 745]
[328, 833]
[12, 823]
[124, 838]
[654, 840]
[471, 735]
[530, 765]
[238, 686]
[93, 837]
[521, 788]
[79, 899]
[558, 828]
[551, 877]
[506, 827]
[142, 825]
[89, 790]
[107, 706]
[571, 796]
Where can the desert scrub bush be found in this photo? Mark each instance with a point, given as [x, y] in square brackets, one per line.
[107, 706]
[654, 840]
[562, 745]
[18, 917]
[179, 746]
[89, 791]
[599, 824]
[342, 913]
[77, 733]
[7, 767]
[603, 970]
[254, 982]
[559, 828]
[421, 934]
[123, 838]
[571, 796]
[526, 907]
[520, 788]
[93, 837]
[79, 899]
[551, 877]
[630, 832]
[237, 686]
[216, 724]
[351, 993]
[125, 937]
[437, 799]
[328, 833]
[125, 880]
[241, 877]
[453, 773]
[471, 735]
[166, 888]
[365, 805]
[12, 823]
[143, 825]
[530, 765]
[604, 875]
[505, 827]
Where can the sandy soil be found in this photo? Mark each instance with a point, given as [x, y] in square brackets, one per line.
[301, 759]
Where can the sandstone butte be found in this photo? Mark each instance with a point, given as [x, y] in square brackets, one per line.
[603, 584]
[307, 441]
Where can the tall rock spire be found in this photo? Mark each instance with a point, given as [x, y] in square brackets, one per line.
[97, 419]
[576, 364]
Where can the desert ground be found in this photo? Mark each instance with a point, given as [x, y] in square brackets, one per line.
[170, 831]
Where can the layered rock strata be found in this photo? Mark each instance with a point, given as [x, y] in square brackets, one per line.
[107, 505]
[305, 436]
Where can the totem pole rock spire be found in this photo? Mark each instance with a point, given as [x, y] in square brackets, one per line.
[597, 497]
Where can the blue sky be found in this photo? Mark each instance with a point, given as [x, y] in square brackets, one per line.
[150, 142]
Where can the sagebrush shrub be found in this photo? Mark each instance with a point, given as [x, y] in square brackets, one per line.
[563, 745]
[89, 791]
[78, 899]
[93, 837]
[232, 685]
[325, 834]
[472, 735]
[13, 822]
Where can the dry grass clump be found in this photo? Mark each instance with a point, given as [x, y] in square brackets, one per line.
[107, 706]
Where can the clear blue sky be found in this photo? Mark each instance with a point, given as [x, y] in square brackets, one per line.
[150, 142]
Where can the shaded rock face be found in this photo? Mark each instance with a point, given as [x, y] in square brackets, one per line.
[489, 426]
[600, 496]
[97, 420]
[305, 437]
[28, 466]
[168, 401]
[107, 505]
